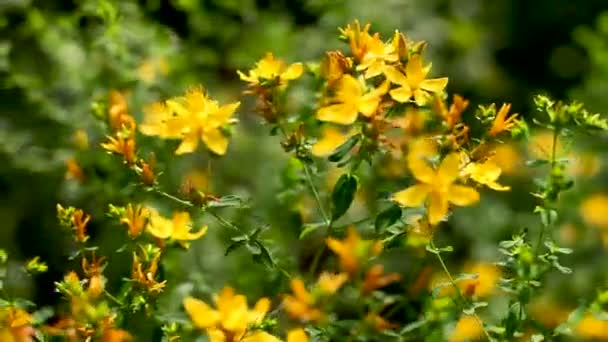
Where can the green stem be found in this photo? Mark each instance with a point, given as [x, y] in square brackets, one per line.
[460, 296]
[553, 163]
[316, 195]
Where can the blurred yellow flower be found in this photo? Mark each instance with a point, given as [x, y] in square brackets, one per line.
[297, 335]
[377, 55]
[301, 304]
[178, 228]
[467, 328]
[230, 321]
[150, 68]
[330, 283]
[501, 123]
[375, 278]
[591, 327]
[270, 69]
[353, 250]
[486, 173]
[507, 158]
[123, 146]
[135, 218]
[436, 187]
[15, 325]
[331, 138]
[358, 39]
[413, 82]
[334, 65]
[593, 210]
[485, 283]
[146, 279]
[191, 118]
[549, 313]
[349, 100]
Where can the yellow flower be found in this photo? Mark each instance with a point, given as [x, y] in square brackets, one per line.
[358, 39]
[330, 283]
[352, 250]
[454, 114]
[413, 82]
[331, 138]
[484, 284]
[485, 173]
[191, 118]
[297, 335]
[507, 157]
[124, 146]
[334, 65]
[135, 219]
[349, 100]
[594, 209]
[79, 225]
[501, 123]
[178, 229]
[592, 328]
[269, 69]
[301, 304]
[231, 318]
[467, 328]
[436, 187]
[15, 325]
[376, 56]
[147, 279]
[375, 278]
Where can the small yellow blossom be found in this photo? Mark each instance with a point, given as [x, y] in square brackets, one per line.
[454, 114]
[375, 278]
[123, 146]
[594, 209]
[436, 187]
[486, 173]
[507, 157]
[301, 304]
[353, 250]
[330, 283]
[358, 39]
[74, 171]
[135, 218]
[485, 283]
[377, 56]
[118, 113]
[592, 328]
[467, 328]
[81, 139]
[334, 65]
[15, 325]
[549, 313]
[501, 123]
[191, 118]
[349, 100]
[413, 82]
[331, 138]
[146, 279]
[230, 320]
[297, 335]
[178, 228]
[79, 225]
[270, 69]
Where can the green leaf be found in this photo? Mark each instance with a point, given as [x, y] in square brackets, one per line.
[264, 256]
[234, 246]
[536, 162]
[343, 195]
[309, 228]
[343, 149]
[387, 218]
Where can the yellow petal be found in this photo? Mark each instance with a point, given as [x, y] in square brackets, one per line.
[438, 207]
[449, 169]
[215, 140]
[435, 85]
[342, 113]
[297, 335]
[462, 195]
[216, 335]
[414, 72]
[413, 196]
[260, 336]
[498, 187]
[421, 97]
[189, 143]
[330, 140]
[201, 314]
[368, 104]
[259, 310]
[395, 76]
[299, 290]
[221, 117]
[293, 71]
[420, 169]
[159, 226]
[401, 94]
[349, 88]
[177, 106]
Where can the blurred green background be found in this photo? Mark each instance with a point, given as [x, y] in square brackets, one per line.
[58, 57]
